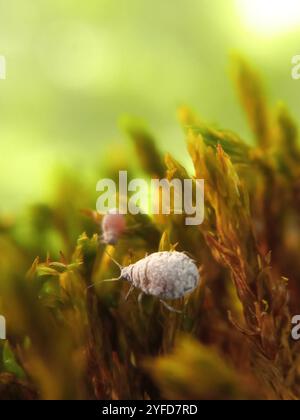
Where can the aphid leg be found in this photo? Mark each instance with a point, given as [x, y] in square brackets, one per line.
[129, 292]
[170, 308]
[188, 254]
[140, 301]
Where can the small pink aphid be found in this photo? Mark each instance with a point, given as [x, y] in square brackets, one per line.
[113, 226]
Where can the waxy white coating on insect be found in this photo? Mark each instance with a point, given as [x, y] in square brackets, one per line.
[113, 226]
[167, 275]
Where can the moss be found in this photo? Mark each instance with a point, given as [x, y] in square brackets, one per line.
[232, 340]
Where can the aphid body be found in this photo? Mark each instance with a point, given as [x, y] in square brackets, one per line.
[166, 275]
[113, 226]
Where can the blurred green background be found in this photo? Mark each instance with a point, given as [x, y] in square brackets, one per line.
[73, 68]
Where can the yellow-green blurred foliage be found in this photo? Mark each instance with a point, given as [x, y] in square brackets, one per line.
[232, 339]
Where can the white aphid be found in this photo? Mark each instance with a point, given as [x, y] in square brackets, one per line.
[113, 226]
[166, 275]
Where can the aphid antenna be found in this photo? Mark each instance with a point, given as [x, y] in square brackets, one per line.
[105, 281]
[109, 280]
[113, 260]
